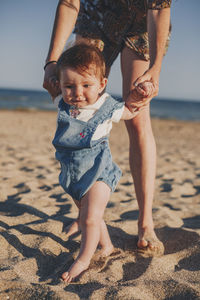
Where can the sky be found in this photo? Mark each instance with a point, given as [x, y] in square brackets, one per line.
[25, 31]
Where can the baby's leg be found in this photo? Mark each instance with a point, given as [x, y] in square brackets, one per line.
[93, 205]
[105, 241]
[74, 227]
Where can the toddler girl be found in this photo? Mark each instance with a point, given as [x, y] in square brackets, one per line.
[88, 174]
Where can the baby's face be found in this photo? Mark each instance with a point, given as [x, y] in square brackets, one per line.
[80, 89]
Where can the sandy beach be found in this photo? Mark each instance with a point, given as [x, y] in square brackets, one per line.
[33, 210]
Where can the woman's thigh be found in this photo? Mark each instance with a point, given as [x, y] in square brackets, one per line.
[132, 67]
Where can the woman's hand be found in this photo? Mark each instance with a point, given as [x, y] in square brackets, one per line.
[50, 82]
[151, 76]
[141, 94]
[65, 19]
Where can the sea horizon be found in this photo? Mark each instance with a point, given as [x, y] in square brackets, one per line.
[164, 108]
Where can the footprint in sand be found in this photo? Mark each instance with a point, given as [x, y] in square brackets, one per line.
[26, 169]
[190, 263]
[22, 188]
[192, 222]
[40, 176]
[45, 187]
[127, 183]
[133, 270]
[166, 187]
[126, 201]
[130, 215]
[179, 290]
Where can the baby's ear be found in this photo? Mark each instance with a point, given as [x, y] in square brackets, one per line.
[103, 84]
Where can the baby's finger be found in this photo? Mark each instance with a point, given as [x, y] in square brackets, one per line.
[148, 87]
[141, 90]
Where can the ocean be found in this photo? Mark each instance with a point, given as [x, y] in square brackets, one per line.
[40, 100]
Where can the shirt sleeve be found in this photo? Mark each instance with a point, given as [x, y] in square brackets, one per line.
[117, 114]
[159, 4]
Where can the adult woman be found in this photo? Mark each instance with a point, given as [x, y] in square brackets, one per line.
[139, 31]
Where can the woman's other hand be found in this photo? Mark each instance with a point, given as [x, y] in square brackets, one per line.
[50, 82]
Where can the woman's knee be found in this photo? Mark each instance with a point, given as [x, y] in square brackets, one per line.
[140, 124]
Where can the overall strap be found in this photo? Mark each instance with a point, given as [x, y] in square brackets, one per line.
[105, 111]
[63, 106]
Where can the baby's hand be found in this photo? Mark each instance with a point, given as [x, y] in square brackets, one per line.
[140, 96]
[146, 89]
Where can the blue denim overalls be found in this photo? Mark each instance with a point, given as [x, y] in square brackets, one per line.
[83, 161]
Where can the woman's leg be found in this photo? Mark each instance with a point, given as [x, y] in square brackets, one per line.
[92, 209]
[142, 153]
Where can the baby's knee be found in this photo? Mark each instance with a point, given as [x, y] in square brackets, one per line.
[90, 221]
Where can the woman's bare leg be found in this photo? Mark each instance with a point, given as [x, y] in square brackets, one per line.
[142, 153]
[92, 209]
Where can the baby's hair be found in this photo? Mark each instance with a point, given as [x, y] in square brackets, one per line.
[81, 57]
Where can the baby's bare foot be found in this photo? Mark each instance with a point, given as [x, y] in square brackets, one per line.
[72, 228]
[74, 271]
[102, 256]
[105, 251]
[148, 243]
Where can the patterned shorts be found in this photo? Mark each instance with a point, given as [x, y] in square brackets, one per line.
[111, 25]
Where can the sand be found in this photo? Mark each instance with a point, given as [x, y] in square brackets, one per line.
[33, 210]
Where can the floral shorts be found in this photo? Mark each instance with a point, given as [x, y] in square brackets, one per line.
[111, 25]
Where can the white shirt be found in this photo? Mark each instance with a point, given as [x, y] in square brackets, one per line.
[87, 112]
